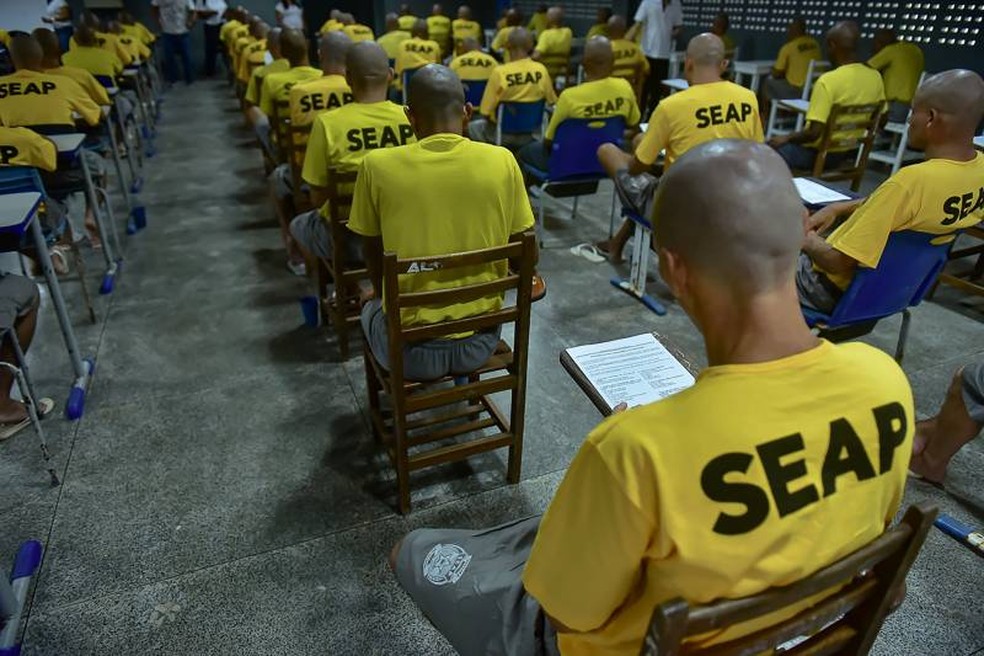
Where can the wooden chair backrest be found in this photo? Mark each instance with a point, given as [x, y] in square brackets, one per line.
[339, 189]
[837, 136]
[280, 122]
[846, 622]
[558, 66]
[297, 140]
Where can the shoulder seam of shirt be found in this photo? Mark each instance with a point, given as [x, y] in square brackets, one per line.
[594, 447]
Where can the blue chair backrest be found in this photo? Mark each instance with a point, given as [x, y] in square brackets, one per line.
[574, 153]
[19, 179]
[474, 90]
[105, 80]
[905, 273]
[521, 117]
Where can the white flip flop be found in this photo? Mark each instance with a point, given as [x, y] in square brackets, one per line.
[45, 406]
[589, 252]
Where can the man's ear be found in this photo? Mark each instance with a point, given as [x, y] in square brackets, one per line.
[724, 65]
[469, 111]
[673, 271]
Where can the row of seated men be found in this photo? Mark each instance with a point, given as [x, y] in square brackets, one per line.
[825, 468]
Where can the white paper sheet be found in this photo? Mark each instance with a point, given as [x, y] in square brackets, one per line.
[817, 194]
[636, 370]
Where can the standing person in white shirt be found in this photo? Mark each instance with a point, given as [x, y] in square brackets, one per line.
[660, 21]
[175, 18]
[59, 15]
[212, 13]
[290, 14]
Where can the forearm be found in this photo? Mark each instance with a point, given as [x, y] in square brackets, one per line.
[826, 257]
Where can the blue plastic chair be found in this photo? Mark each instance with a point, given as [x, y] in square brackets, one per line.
[518, 118]
[474, 90]
[905, 273]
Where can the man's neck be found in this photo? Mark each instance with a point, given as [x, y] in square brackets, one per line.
[847, 59]
[517, 55]
[333, 70]
[443, 128]
[958, 149]
[49, 64]
[369, 96]
[594, 77]
[705, 75]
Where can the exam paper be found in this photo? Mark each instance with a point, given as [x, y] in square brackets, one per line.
[812, 193]
[636, 370]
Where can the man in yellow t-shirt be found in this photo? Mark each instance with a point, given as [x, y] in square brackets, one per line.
[279, 64]
[538, 21]
[784, 440]
[52, 65]
[600, 27]
[407, 19]
[394, 36]
[89, 56]
[104, 39]
[500, 44]
[599, 96]
[134, 27]
[416, 52]
[711, 108]
[473, 65]
[553, 44]
[630, 63]
[851, 83]
[357, 31]
[340, 139]
[253, 55]
[334, 22]
[395, 208]
[24, 147]
[439, 29]
[900, 63]
[308, 100]
[133, 46]
[939, 196]
[521, 80]
[463, 27]
[789, 72]
[277, 86]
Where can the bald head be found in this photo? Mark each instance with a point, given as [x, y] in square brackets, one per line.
[883, 38]
[85, 36]
[392, 22]
[842, 42]
[332, 50]
[263, 31]
[26, 53]
[256, 28]
[555, 16]
[520, 41]
[464, 12]
[436, 99]
[947, 107]
[617, 27]
[513, 17]
[706, 51]
[404, 9]
[49, 46]
[599, 59]
[273, 42]
[796, 27]
[742, 233]
[293, 46]
[367, 69]
[419, 29]
[437, 10]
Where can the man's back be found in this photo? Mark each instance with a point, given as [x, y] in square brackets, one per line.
[610, 96]
[406, 22]
[755, 477]
[901, 63]
[95, 60]
[475, 65]
[795, 57]
[24, 147]
[358, 32]
[438, 28]
[277, 86]
[628, 58]
[416, 52]
[390, 42]
[555, 42]
[501, 41]
[717, 110]
[308, 99]
[255, 86]
[850, 84]
[462, 29]
[32, 98]
[523, 80]
[97, 92]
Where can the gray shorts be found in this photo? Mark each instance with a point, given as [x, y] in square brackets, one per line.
[96, 164]
[469, 585]
[973, 390]
[779, 88]
[434, 358]
[311, 232]
[636, 192]
[18, 296]
[480, 129]
[814, 292]
[281, 182]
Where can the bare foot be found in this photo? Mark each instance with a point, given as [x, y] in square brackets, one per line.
[606, 248]
[922, 464]
[12, 412]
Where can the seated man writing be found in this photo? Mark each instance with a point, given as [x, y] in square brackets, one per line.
[939, 196]
[521, 80]
[850, 83]
[396, 209]
[599, 96]
[340, 139]
[789, 72]
[711, 108]
[710, 493]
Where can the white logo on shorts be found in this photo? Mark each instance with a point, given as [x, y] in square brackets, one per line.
[445, 563]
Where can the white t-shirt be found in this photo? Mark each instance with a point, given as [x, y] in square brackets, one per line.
[53, 9]
[657, 35]
[218, 6]
[293, 15]
[174, 15]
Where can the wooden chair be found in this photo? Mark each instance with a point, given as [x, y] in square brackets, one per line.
[342, 308]
[280, 127]
[297, 140]
[427, 412]
[846, 622]
[971, 281]
[844, 119]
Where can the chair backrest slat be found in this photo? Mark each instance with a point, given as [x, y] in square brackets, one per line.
[461, 294]
[458, 260]
[457, 326]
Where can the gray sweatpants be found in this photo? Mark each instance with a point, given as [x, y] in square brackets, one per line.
[973, 390]
[812, 292]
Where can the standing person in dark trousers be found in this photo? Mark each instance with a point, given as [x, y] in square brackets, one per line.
[175, 18]
[212, 14]
[58, 15]
[660, 22]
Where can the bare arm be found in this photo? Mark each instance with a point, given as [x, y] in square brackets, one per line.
[811, 133]
[828, 258]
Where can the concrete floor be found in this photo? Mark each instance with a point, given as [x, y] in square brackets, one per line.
[222, 494]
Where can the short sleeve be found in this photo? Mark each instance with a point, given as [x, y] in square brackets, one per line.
[880, 60]
[546, 85]
[821, 103]
[522, 212]
[590, 510]
[864, 235]
[364, 215]
[560, 114]
[315, 169]
[782, 62]
[656, 137]
[490, 98]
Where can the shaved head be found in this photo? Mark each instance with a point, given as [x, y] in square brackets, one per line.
[706, 50]
[946, 110]
[263, 31]
[367, 68]
[256, 27]
[464, 12]
[26, 52]
[293, 46]
[599, 59]
[616, 27]
[883, 37]
[419, 29]
[332, 50]
[392, 22]
[273, 41]
[513, 17]
[842, 41]
[48, 41]
[744, 232]
[85, 36]
[520, 40]
[555, 16]
[435, 96]
[796, 27]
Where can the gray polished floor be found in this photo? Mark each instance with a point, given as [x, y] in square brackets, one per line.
[222, 494]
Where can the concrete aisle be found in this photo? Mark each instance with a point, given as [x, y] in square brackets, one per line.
[222, 494]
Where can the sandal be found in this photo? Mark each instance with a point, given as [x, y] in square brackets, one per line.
[44, 408]
[590, 252]
[58, 260]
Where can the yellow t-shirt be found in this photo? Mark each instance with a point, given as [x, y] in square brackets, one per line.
[331, 25]
[32, 98]
[97, 61]
[24, 147]
[140, 31]
[390, 42]
[406, 22]
[598, 29]
[605, 98]
[394, 199]
[342, 138]
[901, 63]
[538, 22]
[461, 29]
[277, 86]
[475, 65]
[555, 42]
[239, 46]
[755, 477]
[255, 52]
[234, 36]
[704, 112]
[523, 80]
[415, 53]
[85, 80]
[938, 196]
[5, 37]
[359, 32]
[852, 84]
[255, 86]
[628, 59]
[439, 29]
[136, 48]
[224, 31]
[110, 43]
[795, 57]
[308, 99]
[501, 42]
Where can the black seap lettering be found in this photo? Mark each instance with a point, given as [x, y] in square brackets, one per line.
[8, 153]
[958, 208]
[843, 438]
[892, 426]
[780, 475]
[370, 138]
[754, 499]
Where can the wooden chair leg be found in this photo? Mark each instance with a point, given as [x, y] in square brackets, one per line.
[517, 419]
[339, 321]
[402, 458]
[372, 390]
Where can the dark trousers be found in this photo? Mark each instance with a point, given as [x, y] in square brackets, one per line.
[211, 48]
[659, 70]
[64, 37]
[175, 46]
